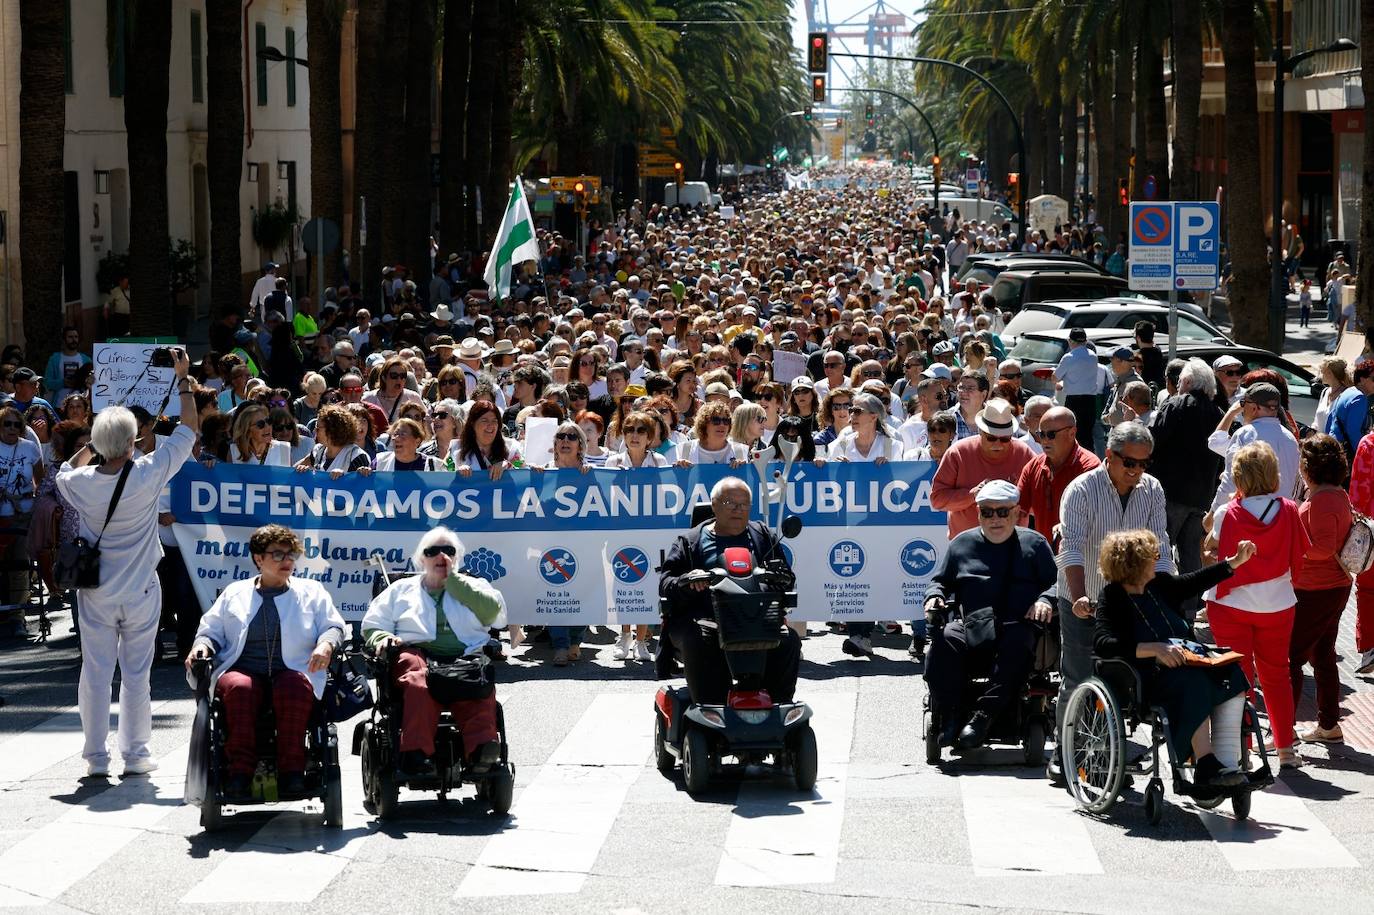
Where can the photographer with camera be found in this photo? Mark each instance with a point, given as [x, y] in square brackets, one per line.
[116, 561]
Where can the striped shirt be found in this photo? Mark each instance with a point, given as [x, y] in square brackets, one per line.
[1092, 509]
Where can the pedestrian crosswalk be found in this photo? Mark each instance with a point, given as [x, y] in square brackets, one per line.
[585, 775]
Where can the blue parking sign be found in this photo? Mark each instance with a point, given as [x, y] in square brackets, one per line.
[1197, 245]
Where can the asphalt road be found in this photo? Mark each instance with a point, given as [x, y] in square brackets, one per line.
[596, 828]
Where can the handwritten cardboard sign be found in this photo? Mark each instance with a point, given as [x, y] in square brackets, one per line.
[123, 377]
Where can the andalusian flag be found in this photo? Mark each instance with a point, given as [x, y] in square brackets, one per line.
[515, 243]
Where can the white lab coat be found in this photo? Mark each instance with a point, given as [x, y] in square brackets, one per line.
[306, 611]
[407, 611]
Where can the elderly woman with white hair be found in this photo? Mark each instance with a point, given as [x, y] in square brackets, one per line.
[118, 504]
[437, 616]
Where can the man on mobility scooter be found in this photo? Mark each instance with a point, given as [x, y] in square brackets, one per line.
[726, 586]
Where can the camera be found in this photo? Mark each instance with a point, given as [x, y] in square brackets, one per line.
[162, 358]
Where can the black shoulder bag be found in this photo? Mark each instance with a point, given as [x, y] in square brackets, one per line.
[78, 562]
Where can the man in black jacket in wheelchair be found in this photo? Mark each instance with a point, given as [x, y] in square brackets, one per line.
[708, 675]
[1002, 577]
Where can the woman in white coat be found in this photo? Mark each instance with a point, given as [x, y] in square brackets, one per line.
[408, 614]
[277, 633]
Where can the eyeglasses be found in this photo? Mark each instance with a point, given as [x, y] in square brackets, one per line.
[282, 555]
[447, 549]
[735, 506]
[1131, 463]
[396, 376]
[839, 405]
[11, 424]
[968, 388]
[719, 420]
[565, 437]
[833, 365]
[449, 381]
[1047, 435]
[260, 424]
[996, 512]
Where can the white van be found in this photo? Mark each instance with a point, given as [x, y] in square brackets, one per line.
[690, 194]
[975, 208]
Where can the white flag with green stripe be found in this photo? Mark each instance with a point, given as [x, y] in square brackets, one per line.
[515, 243]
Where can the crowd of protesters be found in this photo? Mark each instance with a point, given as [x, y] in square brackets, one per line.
[828, 316]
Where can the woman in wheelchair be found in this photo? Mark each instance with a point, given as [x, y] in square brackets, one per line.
[437, 616]
[1138, 621]
[272, 633]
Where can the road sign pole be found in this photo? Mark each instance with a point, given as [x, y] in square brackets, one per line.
[1173, 323]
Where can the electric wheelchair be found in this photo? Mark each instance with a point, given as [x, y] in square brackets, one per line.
[1104, 711]
[1025, 723]
[207, 769]
[378, 740]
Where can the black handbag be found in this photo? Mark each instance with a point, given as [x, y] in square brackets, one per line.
[78, 563]
[980, 626]
[347, 692]
[460, 679]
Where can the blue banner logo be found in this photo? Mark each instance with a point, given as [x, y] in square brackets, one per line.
[846, 559]
[557, 566]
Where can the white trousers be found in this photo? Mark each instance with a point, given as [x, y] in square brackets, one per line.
[125, 633]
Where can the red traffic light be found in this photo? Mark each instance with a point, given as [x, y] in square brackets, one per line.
[934, 160]
[579, 188]
[818, 52]
[818, 88]
[677, 166]
[1014, 178]
[817, 41]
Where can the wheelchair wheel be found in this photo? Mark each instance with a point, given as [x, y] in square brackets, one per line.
[501, 792]
[1094, 747]
[804, 758]
[1240, 805]
[211, 817]
[664, 760]
[696, 761]
[1154, 801]
[1209, 803]
[1033, 743]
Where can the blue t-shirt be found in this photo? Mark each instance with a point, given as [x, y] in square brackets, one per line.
[1078, 370]
[1346, 420]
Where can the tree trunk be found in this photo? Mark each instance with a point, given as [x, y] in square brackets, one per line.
[323, 36]
[1365, 255]
[453, 121]
[1031, 120]
[486, 31]
[1122, 115]
[1245, 216]
[224, 152]
[1068, 140]
[42, 127]
[1054, 146]
[1141, 91]
[148, 61]
[1102, 124]
[419, 73]
[366, 272]
[1156, 119]
[504, 92]
[1187, 88]
[396, 153]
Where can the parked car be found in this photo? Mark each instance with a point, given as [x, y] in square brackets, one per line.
[1118, 311]
[1040, 351]
[986, 266]
[1015, 289]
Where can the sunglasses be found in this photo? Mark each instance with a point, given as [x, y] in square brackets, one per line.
[442, 415]
[719, 420]
[447, 549]
[565, 437]
[282, 555]
[638, 430]
[996, 512]
[261, 424]
[1131, 463]
[1010, 375]
[11, 424]
[1233, 373]
[872, 374]
[752, 367]
[841, 405]
[396, 376]
[1047, 435]
[352, 389]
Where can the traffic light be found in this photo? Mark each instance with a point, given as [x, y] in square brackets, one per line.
[839, 123]
[868, 113]
[1014, 188]
[580, 198]
[677, 173]
[818, 52]
[806, 115]
[818, 88]
[935, 168]
[1123, 192]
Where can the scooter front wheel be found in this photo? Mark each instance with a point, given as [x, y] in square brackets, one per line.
[696, 761]
[804, 758]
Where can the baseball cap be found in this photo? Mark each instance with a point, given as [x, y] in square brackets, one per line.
[717, 387]
[997, 491]
[1263, 394]
[938, 371]
[1124, 353]
[26, 374]
[1225, 362]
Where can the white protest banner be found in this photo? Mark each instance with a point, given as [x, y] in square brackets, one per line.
[539, 432]
[787, 366]
[565, 547]
[124, 377]
[727, 212]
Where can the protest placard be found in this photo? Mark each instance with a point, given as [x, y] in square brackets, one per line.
[124, 377]
[787, 366]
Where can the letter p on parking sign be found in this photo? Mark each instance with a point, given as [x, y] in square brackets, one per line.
[1197, 245]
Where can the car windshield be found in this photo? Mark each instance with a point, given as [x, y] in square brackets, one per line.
[1071, 289]
[1034, 349]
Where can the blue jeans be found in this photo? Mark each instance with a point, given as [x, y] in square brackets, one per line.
[565, 636]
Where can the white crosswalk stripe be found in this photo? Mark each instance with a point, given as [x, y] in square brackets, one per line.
[1004, 820]
[43, 866]
[44, 745]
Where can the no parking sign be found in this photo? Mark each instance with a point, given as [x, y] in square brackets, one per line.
[1174, 245]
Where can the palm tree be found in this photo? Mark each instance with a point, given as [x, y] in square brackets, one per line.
[324, 23]
[396, 184]
[1186, 46]
[368, 130]
[418, 73]
[453, 120]
[224, 151]
[1365, 286]
[508, 64]
[486, 29]
[1245, 216]
[42, 126]
[149, 55]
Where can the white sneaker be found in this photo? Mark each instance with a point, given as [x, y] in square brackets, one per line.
[1366, 663]
[642, 652]
[140, 766]
[97, 768]
[622, 648]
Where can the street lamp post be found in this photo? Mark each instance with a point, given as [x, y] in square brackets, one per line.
[1278, 293]
[275, 56]
[934, 137]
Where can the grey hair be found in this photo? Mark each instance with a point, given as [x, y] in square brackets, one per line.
[449, 404]
[1014, 363]
[436, 535]
[1039, 400]
[1197, 376]
[1131, 433]
[113, 433]
[570, 426]
[1136, 392]
[725, 483]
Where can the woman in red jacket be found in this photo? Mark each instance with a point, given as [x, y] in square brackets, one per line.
[1323, 585]
[1252, 612]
